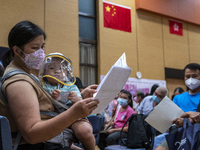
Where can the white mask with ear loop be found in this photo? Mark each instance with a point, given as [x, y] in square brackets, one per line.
[192, 83]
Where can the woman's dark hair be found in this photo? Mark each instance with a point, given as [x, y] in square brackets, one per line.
[179, 89]
[140, 93]
[153, 88]
[21, 34]
[129, 97]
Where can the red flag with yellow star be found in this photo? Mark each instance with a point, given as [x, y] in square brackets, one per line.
[117, 16]
[175, 27]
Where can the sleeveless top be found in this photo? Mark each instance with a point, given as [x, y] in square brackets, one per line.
[44, 98]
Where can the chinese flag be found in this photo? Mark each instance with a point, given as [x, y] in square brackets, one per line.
[175, 27]
[117, 17]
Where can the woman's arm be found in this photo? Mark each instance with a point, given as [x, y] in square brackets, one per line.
[24, 107]
[118, 129]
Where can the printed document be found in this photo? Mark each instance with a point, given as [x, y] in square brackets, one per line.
[163, 114]
[112, 83]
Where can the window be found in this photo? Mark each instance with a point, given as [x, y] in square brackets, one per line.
[87, 42]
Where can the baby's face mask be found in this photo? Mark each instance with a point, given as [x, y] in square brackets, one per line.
[57, 70]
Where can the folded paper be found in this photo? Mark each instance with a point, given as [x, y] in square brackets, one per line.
[112, 83]
[163, 114]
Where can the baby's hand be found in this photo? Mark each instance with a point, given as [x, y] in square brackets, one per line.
[73, 97]
[55, 94]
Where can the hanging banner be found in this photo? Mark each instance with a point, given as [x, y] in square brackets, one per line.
[117, 16]
[134, 84]
[176, 27]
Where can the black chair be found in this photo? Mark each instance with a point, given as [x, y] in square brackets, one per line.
[122, 147]
[5, 134]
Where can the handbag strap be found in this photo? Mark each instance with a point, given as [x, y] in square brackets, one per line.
[186, 122]
[123, 128]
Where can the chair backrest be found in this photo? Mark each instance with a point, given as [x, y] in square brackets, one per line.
[97, 122]
[5, 134]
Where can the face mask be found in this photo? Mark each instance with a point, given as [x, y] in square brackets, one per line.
[122, 102]
[192, 83]
[34, 60]
[156, 99]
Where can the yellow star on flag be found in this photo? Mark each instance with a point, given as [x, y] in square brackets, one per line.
[108, 8]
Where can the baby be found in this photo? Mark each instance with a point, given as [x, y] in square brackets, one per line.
[57, 78]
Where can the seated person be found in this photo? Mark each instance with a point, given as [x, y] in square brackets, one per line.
[139, 96]
[177, 91]
[57, 78]
[109, 111]
[26, 98]
[111, 136]
[194, 117]
[187, 101]
[149, 102]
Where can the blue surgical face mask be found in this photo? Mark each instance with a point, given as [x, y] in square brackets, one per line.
[156, 99]
[122, 102]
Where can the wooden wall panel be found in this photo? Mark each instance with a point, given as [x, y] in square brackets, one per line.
[14, 11]
[150, 45]
[61, 26]
[176, 52]
[187, 10]
[113, 43]
[194, 43]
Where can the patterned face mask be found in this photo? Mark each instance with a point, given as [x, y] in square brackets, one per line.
[34, 60]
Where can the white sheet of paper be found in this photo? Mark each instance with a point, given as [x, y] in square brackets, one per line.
[164, 113]
[112, 83]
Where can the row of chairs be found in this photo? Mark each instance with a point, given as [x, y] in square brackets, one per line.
[96, 121]
[6, 139]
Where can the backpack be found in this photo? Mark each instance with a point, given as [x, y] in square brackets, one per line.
[140, 133]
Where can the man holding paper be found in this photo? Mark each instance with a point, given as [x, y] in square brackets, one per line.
[188, 101]
[149, 102]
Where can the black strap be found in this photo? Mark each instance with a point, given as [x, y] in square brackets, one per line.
[198, 107]
[10, 74]
[18, 71]
[145, 141]
[49, 113]
[123, 129]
